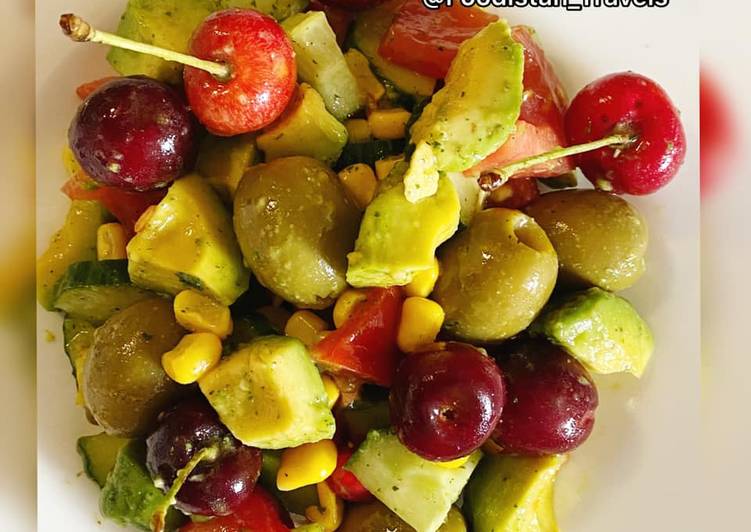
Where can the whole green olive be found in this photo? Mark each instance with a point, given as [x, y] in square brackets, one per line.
[124, 385]
[295, 226]
[375, 517]
[496, 276]
[600, 238]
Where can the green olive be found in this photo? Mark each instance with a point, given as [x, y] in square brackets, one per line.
[601, 239]
[124, 385]
[375, 517]
[295, 226]
[495, 276]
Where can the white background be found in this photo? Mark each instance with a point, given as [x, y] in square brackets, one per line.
[640, 470]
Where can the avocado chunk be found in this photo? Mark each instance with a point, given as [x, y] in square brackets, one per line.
[398, 239]
[367, 31]
[419, 491]
[270, 395]
[98, 454]
[305, 128]
[513, 494]
[475, 111]
[75, 241]
[170, 24]
[321, 62]
[129, 496]
[188, 242]
[222, 161]
[601, 330]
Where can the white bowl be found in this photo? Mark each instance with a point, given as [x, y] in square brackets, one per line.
[638, 471]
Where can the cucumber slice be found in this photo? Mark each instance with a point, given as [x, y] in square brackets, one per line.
[95, 290]
[75, 241]
[368, 152]
[419, 491]
[367, 31]
[98, 454]
[78, 335]
[321, 62]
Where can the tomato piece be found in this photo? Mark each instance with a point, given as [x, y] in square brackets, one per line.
[339, 18]
[515, 194]
[426, 40]
[125, 205]
[540, 127]
[344, 483]
[259, 513]
[717, 138]
[84, 90]
[365, 345]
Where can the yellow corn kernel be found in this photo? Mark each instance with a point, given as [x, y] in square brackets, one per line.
[423, 282]
[143, 220]
[360, 183]
[198, 312]
[454, 464]
[331, 511]
[305, 326]
[332, 390]
[307, 464]
[194, 355]
[384, 166]
[346, 304]
[389, 124]
[371, 89]
[110, 242]
[358, 130]
[420, 323]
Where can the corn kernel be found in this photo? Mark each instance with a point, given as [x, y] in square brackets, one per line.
[454, 464]
[194, 355]
[345, 305]
[198, 312]
[420, 323]
[423, 282]
[331, 512]
[143, 220]
[360, 183]
[332, 390]
[389, 124]
[358, 130]
[305, 326]
[371, 89]
[383, 167]
[307, 464]
[110, 242]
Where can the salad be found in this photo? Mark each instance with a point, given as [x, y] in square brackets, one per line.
[327, 265]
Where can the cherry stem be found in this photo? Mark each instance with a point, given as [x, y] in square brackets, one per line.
[498, 177]
[81, 31]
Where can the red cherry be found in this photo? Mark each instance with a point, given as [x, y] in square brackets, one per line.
[627, 103]
[263, 72]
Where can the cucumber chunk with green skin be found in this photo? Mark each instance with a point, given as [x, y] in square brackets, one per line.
[95, 290]
[98, 454]
[129, 496]
[305, 128]
[513, 494]
[599, 329]
[368, 152]
[78, 336]
[295, 501]
[270, 395]
[367, 31]
[419, 491]
[321, 63]
[170, 24]
[74, 242]
[188, 242]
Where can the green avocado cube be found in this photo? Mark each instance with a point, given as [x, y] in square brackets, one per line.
[270, 395]
[601, 330]
[222, 161]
